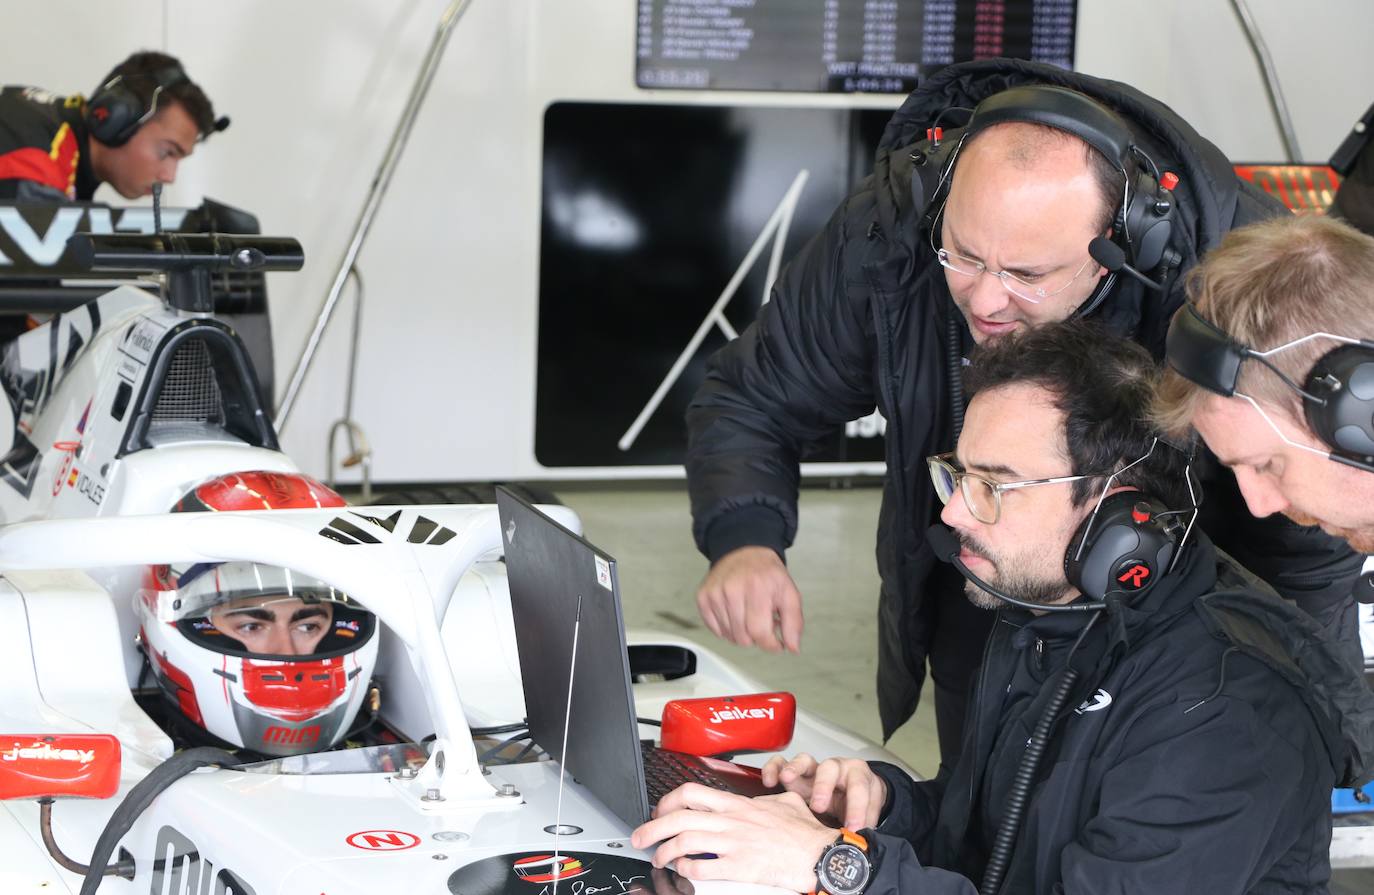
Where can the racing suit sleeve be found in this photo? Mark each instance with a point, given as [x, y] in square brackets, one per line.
[801, 369]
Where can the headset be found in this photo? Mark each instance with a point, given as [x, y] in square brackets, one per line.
[1142, 226]
[1337, 395]
[1127, 543]
[123, 104]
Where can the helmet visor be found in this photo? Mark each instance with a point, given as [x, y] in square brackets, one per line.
[263, 611]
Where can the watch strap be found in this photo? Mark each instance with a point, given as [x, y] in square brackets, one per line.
[846, 836]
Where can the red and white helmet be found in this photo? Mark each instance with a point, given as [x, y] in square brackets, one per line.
[260, 657]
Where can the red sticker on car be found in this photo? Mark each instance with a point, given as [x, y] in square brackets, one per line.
[383, 840]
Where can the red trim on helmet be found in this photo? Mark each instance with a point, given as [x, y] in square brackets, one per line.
[294, 691]
[260, 490]
[186, 691]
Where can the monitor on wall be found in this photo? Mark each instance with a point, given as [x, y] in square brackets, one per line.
[838, 46]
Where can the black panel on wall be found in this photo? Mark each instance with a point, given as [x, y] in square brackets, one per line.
[648, 212]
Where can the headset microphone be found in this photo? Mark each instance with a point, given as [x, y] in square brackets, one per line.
[1363, 589]
[946, 546]
[1113, 257]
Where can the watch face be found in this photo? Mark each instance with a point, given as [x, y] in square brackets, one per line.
[844, 870]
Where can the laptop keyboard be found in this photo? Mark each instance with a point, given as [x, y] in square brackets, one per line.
[666, 771]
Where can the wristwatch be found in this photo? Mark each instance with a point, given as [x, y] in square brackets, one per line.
[844, 868]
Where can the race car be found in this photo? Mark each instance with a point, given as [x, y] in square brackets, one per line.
[135, 583]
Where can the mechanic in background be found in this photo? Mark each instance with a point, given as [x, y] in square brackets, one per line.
[143, 119]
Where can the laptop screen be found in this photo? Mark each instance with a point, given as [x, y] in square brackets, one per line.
[551, 572]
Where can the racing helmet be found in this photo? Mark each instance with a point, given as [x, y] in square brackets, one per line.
[259, 657]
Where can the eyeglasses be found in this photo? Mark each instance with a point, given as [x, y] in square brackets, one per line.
[982, 496]
[962, 264]
[1015, 286]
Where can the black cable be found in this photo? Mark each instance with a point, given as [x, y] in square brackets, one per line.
[1019, 796]
[1018, 799]
[495, 750]
[138, 800]
[650, 721]
[954, 360]
[500, 728]
[157, 207]
[530, 746]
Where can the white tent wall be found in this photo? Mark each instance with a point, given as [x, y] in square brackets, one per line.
[446, 378]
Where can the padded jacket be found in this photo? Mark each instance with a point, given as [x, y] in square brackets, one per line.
[861, 317]
[1196, 753]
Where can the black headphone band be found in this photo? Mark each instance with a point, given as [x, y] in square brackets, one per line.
[1143, 222]
[1337, 393]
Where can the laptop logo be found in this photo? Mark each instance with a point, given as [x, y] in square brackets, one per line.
[510, 532]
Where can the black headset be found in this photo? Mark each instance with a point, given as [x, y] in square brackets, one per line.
[1144, 221]
[1337, 396]
[1125, 545]
[124, 103]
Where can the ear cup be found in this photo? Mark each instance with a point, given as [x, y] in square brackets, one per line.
[116, 111]
[112, 115]
[1344, 380]
[1149, 223]
[930, 170]
[1122, 548]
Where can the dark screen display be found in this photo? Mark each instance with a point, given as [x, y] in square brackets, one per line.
[654, 216]
[838, 46]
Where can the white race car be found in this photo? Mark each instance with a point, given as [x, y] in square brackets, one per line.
[132, 404]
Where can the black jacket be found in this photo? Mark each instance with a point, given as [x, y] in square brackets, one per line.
[44, 147]
[1208, 734]
[859, 318]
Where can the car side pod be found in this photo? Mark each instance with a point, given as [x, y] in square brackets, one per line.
[49, 766]
[728, 725]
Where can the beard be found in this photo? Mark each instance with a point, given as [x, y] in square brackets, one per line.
[1360, 540]
[1022, 582]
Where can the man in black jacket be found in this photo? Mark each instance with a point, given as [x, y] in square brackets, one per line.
[876, 310]
[1183, 737]
[144, 118]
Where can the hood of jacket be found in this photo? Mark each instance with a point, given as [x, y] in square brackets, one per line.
[1286, 639]
[1207, 195]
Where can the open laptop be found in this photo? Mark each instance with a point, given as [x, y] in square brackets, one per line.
[552, 572]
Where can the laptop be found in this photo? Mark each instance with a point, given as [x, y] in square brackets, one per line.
[559, 583]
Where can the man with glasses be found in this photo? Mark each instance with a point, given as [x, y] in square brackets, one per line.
[881, 308]
[1187, 732]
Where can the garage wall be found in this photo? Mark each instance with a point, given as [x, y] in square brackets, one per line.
[446, 381]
